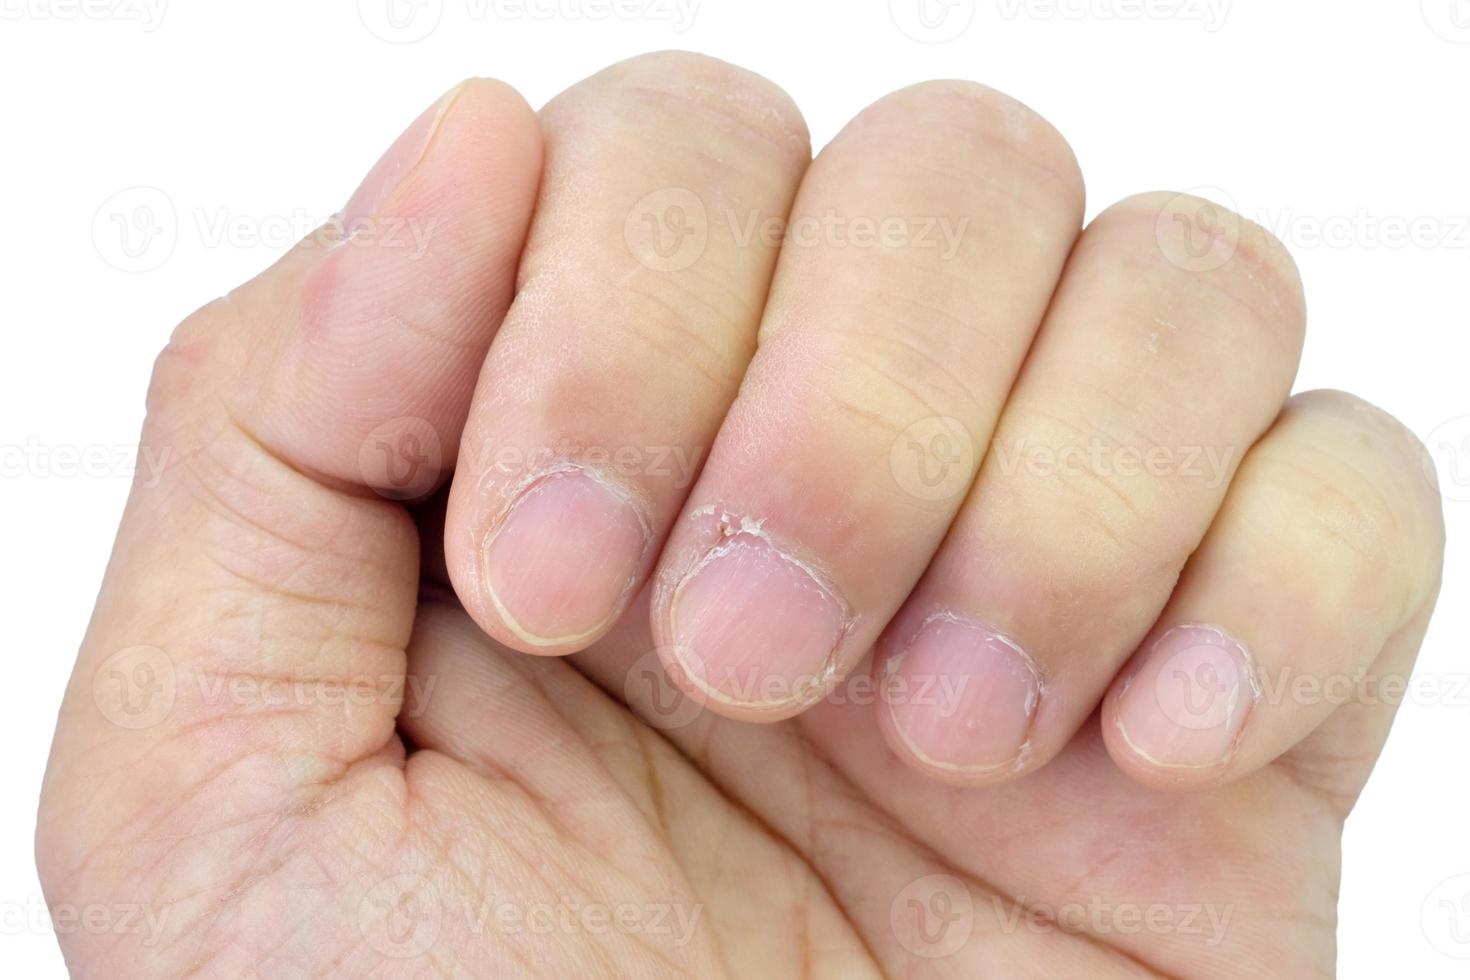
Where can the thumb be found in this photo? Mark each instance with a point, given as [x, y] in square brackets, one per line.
[248, 639]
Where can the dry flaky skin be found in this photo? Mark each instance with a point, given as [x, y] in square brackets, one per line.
[286, 751]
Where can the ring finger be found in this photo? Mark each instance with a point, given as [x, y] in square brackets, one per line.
[1169, 348]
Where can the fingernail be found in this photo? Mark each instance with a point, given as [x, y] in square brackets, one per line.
[561, 563]
[1187, 702]
[962, 696]
[755, 627]
[389, 172]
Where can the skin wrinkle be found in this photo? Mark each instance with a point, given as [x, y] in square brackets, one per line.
[530, 861]
[815, 757]
[518, 780]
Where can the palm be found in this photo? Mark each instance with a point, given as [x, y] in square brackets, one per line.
[551, 832]
[288, 751]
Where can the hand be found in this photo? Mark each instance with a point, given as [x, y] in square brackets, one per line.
[991, 499]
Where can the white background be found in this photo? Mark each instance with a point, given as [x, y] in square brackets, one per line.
[1336, 123]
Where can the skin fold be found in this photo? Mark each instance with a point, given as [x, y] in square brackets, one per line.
[690, 558]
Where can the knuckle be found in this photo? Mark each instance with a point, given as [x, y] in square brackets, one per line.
[1190, 242]
[182, 374]
[1390, 456]
[681, 83]
[961, 120]
[1329, 491]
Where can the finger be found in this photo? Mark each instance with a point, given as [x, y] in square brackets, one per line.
[635, 319]
[249, 636]
[1158, 364]
[1326, 554]
[921, 253]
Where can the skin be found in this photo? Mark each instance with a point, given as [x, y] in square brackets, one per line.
[319, 726]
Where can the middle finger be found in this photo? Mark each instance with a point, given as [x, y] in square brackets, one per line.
[921, 252]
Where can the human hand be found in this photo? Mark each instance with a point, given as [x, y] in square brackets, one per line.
[1041, 490]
